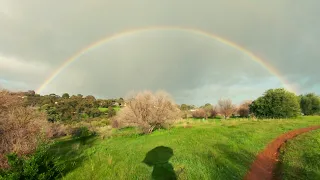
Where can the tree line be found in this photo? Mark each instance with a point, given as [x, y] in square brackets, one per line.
[68, 108]
[274, 103]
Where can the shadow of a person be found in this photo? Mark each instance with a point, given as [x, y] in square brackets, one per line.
[159, 159]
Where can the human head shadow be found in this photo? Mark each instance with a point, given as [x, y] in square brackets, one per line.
[158, 158]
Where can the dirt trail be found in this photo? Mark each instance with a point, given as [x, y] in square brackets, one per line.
[265, 163]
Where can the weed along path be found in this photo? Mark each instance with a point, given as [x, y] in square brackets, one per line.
[265, 163]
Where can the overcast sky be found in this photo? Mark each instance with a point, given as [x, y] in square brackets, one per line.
[37, 36]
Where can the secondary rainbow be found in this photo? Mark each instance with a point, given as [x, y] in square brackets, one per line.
[130, 32]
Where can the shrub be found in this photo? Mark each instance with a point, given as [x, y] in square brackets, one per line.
[57, 130]
[81, 132]
[244, 109]
[40, 165]
[21, 128]
[105, 122]
[100, 123]
[199, 113]
[212, 112]
[276, 103]
[149, 111]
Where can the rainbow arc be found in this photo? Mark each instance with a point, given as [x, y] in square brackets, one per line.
[199, 32]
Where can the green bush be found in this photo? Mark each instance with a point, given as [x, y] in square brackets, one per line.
[105, 122]
[276, 103]
[40, 165]
[81, 132]
[310, 104]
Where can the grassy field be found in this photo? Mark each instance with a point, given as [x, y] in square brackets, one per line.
[106, 109]
[300, 157]
[211, 149]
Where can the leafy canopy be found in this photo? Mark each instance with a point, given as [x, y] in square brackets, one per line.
[310, 104]
[276, 103]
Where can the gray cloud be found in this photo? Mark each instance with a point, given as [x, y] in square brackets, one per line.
[43, 34]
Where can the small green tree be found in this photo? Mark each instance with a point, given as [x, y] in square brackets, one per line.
[184, 107]
[52, 114]
[276, 103]
[185, 110]
[65, 96]
[310, 104]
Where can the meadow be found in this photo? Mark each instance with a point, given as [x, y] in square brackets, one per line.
[300, 157]
[193, 149]
[117, 108]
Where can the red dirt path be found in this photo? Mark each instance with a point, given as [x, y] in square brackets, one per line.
[265, 163]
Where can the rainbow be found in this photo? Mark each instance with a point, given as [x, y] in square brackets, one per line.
[130, 32]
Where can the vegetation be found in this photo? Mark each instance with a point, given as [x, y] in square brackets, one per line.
[185, 110]
[300, 157]
[149, 111]
[81, 132]
[21, 128]
[210, 110]
[186, 107]
[206, 111]
[205, 148]
[40, 165]
[276, 103]
[226, 108]
[70, 108]
[244, 109]
[310, 104]
[199, 113]
[212, 149]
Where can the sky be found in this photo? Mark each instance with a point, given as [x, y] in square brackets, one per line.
[38, 36]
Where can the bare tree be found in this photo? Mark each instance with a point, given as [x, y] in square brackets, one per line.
[148, 111]
[200, 113]
[21, 128]
[243, 109]
[226, 108]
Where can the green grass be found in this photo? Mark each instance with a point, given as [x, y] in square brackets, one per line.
[300, 157]
[211, 149]
[101, 109]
